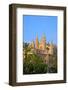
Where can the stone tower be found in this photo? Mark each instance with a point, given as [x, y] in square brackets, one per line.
[51, 48]
[36, 43]
[42, 44]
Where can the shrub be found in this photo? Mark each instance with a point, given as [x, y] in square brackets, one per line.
[29, 68]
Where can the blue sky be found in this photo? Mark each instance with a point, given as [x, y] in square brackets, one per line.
[39, 25]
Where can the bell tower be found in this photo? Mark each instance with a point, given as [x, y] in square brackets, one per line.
[51, 48]
[36, 43]
[43, 43]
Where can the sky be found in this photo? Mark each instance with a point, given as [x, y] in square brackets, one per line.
[39, 26]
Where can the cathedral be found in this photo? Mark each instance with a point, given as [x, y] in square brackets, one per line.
[42, 48]
[47, 48]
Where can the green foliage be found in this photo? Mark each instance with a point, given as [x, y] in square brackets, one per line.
[33, 63]
[25, 45]
[30, 68]
[53, 70]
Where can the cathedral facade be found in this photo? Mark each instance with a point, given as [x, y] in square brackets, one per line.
[42, 48]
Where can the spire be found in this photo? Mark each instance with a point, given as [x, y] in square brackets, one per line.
[44, 35]
[36, 43]
[43, 39]
[43, 42]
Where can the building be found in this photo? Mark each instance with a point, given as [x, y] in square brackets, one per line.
[42, 48]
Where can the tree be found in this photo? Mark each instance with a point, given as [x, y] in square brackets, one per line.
[34, 65]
